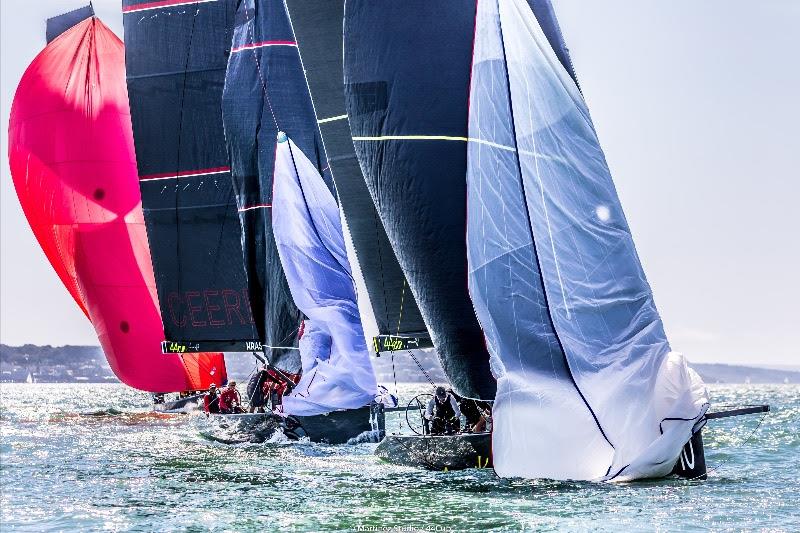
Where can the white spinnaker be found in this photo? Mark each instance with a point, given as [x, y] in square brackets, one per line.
[586, 380]
[337, 372]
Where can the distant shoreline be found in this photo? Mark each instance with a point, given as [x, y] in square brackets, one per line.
[87, 364]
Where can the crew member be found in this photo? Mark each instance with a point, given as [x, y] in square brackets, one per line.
[276, 385]
[477, 414]
[230, 401]
[255, 390]
[443, 414]
[211, 400]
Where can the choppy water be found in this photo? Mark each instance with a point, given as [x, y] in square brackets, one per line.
[90, 457]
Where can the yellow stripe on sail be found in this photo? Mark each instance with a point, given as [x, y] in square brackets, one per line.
[436, 138]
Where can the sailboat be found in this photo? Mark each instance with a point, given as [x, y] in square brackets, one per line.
[587, 384]
[209, 85]
[72, 162]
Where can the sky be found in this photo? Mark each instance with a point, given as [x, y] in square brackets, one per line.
[696, 106]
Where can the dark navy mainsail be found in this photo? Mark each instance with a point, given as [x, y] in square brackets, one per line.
[265, 89]
[407, 72]
[176, 54]
[57, 25]
[318, 29]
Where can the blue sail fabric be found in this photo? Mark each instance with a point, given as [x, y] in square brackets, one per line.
[587, 385]
[337, 372]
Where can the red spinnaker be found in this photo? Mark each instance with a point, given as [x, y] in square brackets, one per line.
[73, 164]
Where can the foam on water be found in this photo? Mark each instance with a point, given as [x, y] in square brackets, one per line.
[134, 469]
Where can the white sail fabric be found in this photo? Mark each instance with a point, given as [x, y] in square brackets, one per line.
[587, 385]
[337, 372]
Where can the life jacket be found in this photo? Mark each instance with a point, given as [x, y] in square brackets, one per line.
[275, 384]
[228, 399]
[443, 409]
[211, 403]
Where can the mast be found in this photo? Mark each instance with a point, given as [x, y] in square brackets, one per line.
[317, 26]
[176, 56]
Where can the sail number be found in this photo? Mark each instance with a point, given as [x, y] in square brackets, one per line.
[388, 343]
[177, 347]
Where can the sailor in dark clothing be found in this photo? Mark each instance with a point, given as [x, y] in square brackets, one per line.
[211, 400]
[255, 390]
[477, 414]
[443, 415]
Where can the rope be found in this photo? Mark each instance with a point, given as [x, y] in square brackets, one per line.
[396, 391]
[419, 365]
[402, 299]
[251, 32]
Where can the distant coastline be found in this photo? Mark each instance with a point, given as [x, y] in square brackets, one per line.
[87, 364]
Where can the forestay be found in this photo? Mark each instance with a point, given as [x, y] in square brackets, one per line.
[337, 373]
[588, 387]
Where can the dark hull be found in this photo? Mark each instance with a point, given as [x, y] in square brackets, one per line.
[438, 452]
[692, 461]
[183, 404]
[338, 427]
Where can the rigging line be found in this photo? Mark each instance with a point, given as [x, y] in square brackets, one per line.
[251, 31]
[402, 299]
[380, 267]
[396, 392]
[533, 239]
[419, 365]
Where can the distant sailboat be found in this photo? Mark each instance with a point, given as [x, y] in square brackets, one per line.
[72, 161]
[30, 379]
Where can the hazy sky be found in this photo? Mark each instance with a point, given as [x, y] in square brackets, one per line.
[696, 104]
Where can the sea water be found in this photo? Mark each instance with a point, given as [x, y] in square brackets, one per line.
[94, 457]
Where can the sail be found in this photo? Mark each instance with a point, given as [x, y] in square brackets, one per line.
[588, 387]
[176, 55]
[73, 165]
[265, 89]
[317, 27]
[406, 73]
[337, 372]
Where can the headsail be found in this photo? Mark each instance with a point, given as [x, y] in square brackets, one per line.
[587, 385]
[72, 161]
[176, 54]
[337, 373]
[317, 27]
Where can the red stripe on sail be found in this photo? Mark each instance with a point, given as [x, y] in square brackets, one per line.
[185, 173]
[162, 3]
